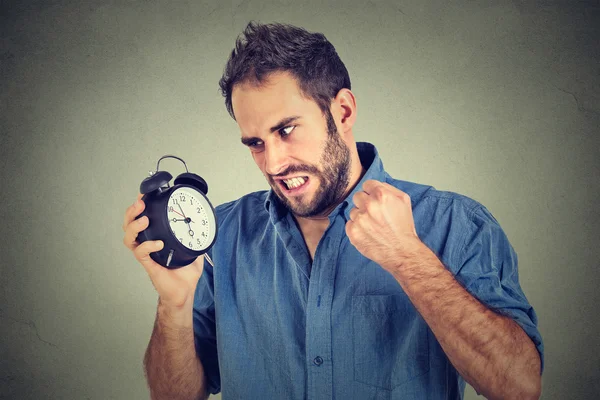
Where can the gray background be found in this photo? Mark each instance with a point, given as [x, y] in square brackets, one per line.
[497, 100]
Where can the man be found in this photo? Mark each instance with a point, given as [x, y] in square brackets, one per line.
[340, 282]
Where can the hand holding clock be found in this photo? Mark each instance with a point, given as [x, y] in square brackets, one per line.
[174, 286]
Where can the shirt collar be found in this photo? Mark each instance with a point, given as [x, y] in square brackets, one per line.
[370, 160]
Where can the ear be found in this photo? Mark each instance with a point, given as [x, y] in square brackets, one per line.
[344, 110]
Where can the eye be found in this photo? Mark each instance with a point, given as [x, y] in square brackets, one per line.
[287, 130]
[254, 143]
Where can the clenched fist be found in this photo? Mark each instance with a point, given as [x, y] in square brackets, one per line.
[381, 225]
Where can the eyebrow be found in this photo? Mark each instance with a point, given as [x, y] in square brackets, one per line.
[280, 125]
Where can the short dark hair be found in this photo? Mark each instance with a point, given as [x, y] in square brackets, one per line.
[266, 48]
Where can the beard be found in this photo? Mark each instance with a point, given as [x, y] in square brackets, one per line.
[333, 174]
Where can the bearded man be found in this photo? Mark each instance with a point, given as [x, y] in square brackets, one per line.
[340, 282]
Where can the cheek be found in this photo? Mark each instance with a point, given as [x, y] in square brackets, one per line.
[259, 160]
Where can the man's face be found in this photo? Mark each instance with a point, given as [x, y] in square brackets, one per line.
[299, 151]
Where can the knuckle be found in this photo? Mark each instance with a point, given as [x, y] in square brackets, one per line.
[141, 250]
[371, 206]
[129, 231]
[353, 228]
[349, 231]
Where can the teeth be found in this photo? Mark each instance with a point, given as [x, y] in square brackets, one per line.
[294, 182]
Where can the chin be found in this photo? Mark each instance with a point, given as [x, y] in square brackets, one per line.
[298, 207]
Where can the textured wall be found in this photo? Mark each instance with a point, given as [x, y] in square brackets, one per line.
[497, 100]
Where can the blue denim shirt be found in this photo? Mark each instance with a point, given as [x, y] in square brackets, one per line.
[269, 324]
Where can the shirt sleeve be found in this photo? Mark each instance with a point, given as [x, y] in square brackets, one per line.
[488, 269]
[205, 338]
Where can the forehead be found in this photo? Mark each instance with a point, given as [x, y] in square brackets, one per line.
[257, 106]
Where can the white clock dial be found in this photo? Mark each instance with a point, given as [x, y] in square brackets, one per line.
[191, 218]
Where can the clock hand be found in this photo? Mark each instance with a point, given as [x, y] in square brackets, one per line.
[182, 213]
[178, 213]
[187, 221]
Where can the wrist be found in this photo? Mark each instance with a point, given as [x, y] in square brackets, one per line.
[410, 252]
[176, 317]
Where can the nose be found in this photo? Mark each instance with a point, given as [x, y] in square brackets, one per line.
[275, 158]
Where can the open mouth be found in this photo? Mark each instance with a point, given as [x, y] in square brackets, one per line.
[295, 183]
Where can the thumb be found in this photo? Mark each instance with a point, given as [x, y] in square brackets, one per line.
[142, 253]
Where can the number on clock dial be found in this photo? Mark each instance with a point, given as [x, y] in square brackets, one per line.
[187, 219]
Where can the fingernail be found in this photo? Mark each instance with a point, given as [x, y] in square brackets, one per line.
[158, 244]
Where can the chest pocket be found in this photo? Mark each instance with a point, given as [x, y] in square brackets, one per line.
[391, 343]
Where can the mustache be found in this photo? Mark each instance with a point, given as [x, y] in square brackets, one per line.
[296, 169]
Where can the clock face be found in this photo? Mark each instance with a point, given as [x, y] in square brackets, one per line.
[191, 218]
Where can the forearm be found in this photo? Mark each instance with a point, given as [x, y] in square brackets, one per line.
[172, 368]
[489, 350]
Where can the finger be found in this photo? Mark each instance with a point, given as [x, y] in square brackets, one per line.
[132, 231]
[133, 211]
[395, 191]
[376, 190]
[381, 190]
[350, 231]
[353, 214]
[142, 254]
[360, 199]
[370, 186]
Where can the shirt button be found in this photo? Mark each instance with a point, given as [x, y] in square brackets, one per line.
[318, 361]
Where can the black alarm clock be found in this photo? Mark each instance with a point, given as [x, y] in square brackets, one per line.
[179, 215]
